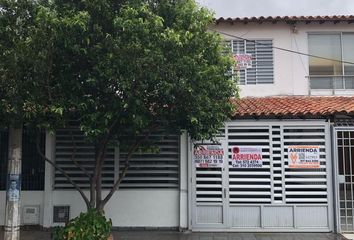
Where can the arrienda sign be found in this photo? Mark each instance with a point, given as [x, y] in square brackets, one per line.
[243, 61]
[247, 157]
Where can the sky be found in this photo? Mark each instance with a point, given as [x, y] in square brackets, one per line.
[250, 8]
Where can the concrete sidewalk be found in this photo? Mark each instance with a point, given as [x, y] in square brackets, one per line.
[165, 235]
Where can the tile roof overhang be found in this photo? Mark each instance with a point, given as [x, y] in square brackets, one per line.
[293, 107]
[288, 19]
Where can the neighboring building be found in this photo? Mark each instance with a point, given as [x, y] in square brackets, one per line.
[295, 120]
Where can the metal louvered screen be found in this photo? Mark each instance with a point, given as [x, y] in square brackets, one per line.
[275, 181]
[305, 186]
[289, 189]
[158, 168]
[209, 185]
[262, 71]
[250, 185]
[66, 141]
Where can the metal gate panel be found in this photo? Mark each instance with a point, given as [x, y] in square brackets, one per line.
[250, 185]
[209, 208]
[344, 146]
[306, 186]
[275, 197]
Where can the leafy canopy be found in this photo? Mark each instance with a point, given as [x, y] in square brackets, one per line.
[119, 67]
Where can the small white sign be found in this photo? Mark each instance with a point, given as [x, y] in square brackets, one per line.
[247, 157]
[14, 186]
[304, 156]
[208, 156]
[243, 61]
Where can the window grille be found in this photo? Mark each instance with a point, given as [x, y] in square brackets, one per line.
[261, 71]
[32, 163]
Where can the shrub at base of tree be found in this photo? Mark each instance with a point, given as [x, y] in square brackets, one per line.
[91, 225]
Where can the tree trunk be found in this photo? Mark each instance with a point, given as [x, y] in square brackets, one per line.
[12, 215]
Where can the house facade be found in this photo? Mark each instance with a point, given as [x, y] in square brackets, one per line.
[283, 164]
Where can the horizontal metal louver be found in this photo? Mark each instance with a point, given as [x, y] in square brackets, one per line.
[156, 168]
[209, 185]
[276, 182]
[66, 141]
[305, 186]
[250, 185]
[277, 164]
[262, 71]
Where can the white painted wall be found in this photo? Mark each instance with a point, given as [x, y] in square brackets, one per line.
[290, 70]
[127, 208]
[131, 208]
[27, 198]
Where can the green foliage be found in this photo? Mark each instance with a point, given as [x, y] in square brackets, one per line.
[26, 51]
[118, 67]
[115, 65]
[91, 225]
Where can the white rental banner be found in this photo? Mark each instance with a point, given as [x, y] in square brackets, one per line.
[208, 156]
[304, 156]
[243, 61]
[247, 157]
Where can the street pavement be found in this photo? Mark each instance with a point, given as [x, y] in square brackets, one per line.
[170, 235]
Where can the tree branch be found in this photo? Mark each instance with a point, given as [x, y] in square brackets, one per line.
[98, 167]
[62, 171]
[131, 151]
[84, 170]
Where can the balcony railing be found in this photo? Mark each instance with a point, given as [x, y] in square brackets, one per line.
[331, 82]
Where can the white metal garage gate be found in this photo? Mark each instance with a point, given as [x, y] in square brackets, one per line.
[273, 197]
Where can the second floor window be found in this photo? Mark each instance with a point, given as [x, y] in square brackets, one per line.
[331, 70]
[255, 61]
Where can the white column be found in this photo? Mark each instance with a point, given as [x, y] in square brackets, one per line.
[48, 181]
[183, 196]
[13, 193]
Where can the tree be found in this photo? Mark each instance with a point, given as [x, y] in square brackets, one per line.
[122, 69]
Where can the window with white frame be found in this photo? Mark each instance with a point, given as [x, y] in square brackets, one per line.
[330, 66]
[254, 61]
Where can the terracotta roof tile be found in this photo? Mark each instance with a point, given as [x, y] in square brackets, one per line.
[293, 106]
[332, 18]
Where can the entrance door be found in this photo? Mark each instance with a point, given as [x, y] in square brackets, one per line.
[209, 181]
[345, 179]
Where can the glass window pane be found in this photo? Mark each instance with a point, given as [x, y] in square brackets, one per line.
[328, 46]
[348, 53]
[348, 56]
